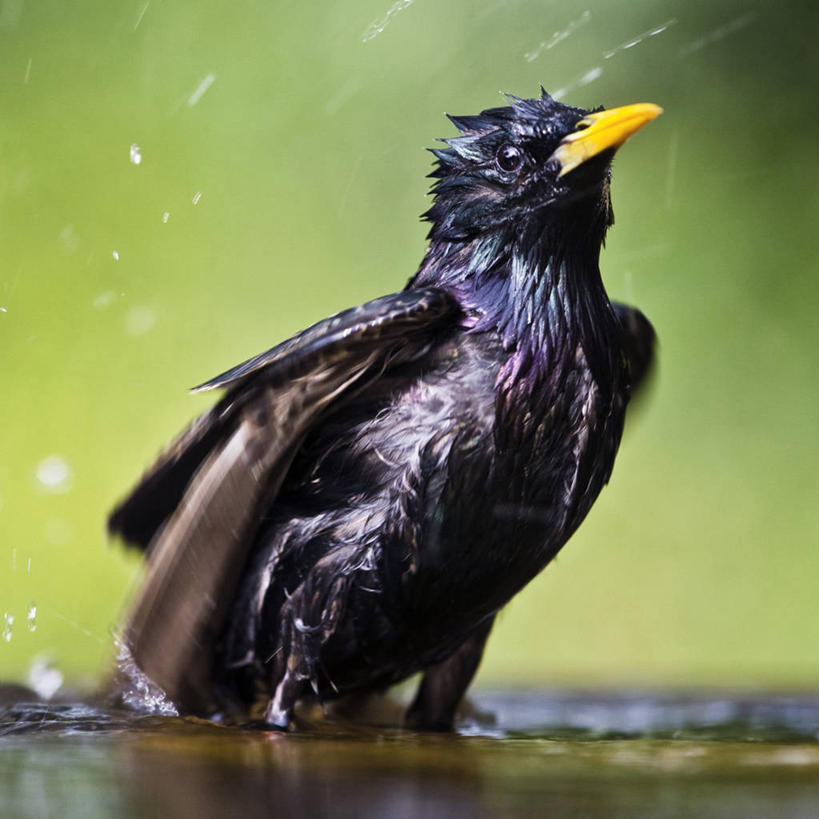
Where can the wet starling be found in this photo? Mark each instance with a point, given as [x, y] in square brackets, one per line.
[366, 496]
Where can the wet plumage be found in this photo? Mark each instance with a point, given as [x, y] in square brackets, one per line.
[366, 496]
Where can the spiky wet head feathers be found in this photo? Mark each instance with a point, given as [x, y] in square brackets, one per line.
[498, 170]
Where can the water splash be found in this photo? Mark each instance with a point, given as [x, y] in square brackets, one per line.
[140, 320]
[31, 617]
[44, 677]
[135, 154]
[652, 32]
[115, 255]
[3, 310]
[141, 15]
[584, 79]
[165, 217]
[374, 29]
[8, 626]
[737, 24]
[200, 89]
[54, 474]
[196, 197]
[138, 691]
[558, 37]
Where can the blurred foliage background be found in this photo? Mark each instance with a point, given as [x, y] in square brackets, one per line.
[183, 185]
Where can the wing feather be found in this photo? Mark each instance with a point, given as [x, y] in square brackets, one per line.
[397, 325]
[639, 342]
[227, 468]
[375, 323]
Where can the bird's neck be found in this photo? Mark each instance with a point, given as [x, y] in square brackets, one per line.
[540, 290]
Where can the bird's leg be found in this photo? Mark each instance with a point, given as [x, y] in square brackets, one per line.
[443, 685]
[286, 680]
[279, 711]
[306, 621]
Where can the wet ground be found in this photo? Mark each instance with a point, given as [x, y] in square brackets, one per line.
[539, 754]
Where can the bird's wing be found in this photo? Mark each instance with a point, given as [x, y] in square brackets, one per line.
[390, 319]
[202, 501]
[639, 341]
[396, 325]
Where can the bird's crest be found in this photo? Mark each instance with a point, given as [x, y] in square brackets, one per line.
[479, 133]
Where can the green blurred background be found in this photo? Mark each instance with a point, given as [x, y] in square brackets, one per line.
[276, 176]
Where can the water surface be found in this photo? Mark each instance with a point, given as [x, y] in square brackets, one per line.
[525, 754]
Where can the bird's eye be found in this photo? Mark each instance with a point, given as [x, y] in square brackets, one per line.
[509, 158]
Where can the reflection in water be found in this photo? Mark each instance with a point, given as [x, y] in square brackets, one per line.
[74, 759]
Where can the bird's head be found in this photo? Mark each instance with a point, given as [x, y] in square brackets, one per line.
[520, 166]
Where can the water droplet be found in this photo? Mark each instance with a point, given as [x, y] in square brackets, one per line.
[69, 239]
[378, 26]
[105, 299]
[165, 217]
[558, 37]
[591, 75]
[196, 197]
[141, 15]
[8, 626]
[3, 310]
[135, 154]
[115, 255]
[203, 86]
[718, 33]
[652, 32]
[31, 617]
[58, 532]
[139, 320]
[44, 678]
[54, 474]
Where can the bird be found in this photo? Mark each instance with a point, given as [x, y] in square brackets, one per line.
[365, 497]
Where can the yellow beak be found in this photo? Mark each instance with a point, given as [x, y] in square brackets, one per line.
[598, 132]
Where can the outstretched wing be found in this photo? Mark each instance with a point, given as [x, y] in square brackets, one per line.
[197, 508]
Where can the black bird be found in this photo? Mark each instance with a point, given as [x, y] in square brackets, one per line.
[366, 496]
